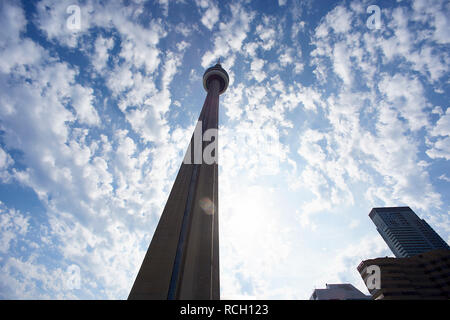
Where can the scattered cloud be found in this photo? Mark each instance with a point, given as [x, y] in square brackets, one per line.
[323, 119]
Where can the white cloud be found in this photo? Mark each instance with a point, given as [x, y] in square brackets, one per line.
[296, 153]
[13, 224]
[440, 138]
[298, 67]
[5, 163]
[102, 48]
[310, 149]
[211, 14]
[52, 20]
[433, 12]
[82, 99]
[341, 63]
[22, 277]
[183, 29]
[256, 68]
[440, 149]
[232, 102]
[442, 127]
[343, 268]
[407, 96]
[267, 35]
[395, 158]
[15, 51]
[402, 107]
[231, 35]
[73, 174]
[339, 19]
[417, 50]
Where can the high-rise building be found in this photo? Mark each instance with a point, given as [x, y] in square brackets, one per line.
[424, 276]
[344, 291]
[404, 232]
[182, 261]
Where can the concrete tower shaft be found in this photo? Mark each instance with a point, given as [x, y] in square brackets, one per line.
[182, 261]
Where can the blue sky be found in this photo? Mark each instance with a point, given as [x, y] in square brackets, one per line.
[325, 117]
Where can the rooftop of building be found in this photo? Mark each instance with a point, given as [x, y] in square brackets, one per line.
[388, 209]
[342, 291]
[430, 256]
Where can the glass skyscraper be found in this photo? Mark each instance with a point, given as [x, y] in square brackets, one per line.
[404, 232]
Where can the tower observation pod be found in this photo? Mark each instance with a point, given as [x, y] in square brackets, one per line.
[182, 261]
[216, 73]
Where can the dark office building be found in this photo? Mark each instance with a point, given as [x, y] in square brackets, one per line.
[404, 232]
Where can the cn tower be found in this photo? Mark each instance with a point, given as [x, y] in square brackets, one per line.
[182, 261]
